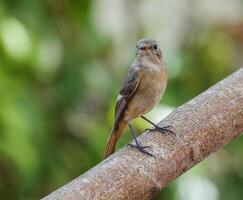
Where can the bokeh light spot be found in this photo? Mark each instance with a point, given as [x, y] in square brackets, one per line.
[15, 39]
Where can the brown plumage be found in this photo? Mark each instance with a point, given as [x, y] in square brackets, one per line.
[141, 90]
[113, 138]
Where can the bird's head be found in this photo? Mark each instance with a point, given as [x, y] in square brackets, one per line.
[147, 46]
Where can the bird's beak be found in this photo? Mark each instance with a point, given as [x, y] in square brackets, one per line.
[144, 47]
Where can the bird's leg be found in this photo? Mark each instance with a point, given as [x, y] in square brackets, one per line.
[137, 145]
[165, 129]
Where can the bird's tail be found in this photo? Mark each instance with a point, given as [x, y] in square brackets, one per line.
[114, 137]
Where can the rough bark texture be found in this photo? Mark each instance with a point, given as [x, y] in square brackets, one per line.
[202, 126]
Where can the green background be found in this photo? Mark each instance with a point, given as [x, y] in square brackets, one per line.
[61, 66]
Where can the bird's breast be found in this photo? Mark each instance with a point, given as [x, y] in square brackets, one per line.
[151, 87]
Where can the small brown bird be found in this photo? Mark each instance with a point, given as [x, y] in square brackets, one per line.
[141, 91]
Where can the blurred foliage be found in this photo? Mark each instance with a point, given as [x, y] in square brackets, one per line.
[58, 82]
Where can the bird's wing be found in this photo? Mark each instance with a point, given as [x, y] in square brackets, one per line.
[129, 87]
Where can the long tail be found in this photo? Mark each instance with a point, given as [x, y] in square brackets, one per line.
[114, 137]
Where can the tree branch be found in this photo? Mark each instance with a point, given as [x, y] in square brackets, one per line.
[202, 126]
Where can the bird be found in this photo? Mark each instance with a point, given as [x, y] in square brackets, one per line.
[141, 91]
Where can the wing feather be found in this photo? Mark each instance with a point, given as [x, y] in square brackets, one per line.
[128, 89]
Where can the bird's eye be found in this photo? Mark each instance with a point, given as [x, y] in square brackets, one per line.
[155, 47]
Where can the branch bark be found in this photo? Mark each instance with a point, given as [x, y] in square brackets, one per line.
[202, 126]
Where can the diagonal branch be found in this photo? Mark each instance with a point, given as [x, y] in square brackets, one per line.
[203, 125]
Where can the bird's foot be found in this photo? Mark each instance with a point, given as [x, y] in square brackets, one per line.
[141, 148]
[165, 129]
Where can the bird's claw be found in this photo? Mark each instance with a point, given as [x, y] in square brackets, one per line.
[165, 129]
[141, 149]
